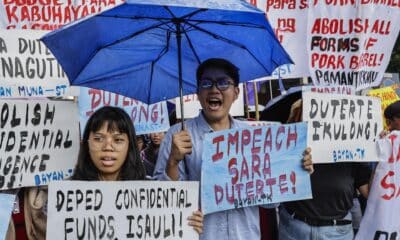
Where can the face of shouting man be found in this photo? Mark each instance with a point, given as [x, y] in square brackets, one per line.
[216, 93]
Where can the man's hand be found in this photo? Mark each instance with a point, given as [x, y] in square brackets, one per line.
[307, 161]
[180, 146]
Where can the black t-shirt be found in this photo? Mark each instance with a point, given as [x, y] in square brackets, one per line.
[333, 190]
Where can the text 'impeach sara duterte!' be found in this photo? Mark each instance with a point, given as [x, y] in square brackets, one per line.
[258, 165]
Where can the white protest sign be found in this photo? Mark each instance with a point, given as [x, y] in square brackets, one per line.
[28, 68]
[342, 128]
[381, 218]
[6, 206]
[289, 21]
[48, 15]
[348, 90]
[350, 42]
[192, 107]
[39, 142]
[121, 210]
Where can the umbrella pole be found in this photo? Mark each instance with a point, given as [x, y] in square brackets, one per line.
[256, 100]
[246, 100]
[178, 42]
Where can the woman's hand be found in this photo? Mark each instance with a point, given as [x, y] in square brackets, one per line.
[196, 221]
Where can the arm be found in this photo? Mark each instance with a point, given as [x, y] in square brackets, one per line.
[364, 190]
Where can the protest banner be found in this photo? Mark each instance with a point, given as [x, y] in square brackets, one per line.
[289, 21]
[260, 123]
[121, 210]
[387, 96]
[381, 218]
[342, 128]
[6, 207]
[48, 14]
[348, 90]
[27, 67]
[350, 42]
[192, 107]
[146, 118]
[254, 166]
[39, 142]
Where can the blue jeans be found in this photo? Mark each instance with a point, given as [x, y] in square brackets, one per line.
[293, 229]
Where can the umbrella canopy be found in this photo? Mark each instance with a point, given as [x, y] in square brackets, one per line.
[278, 108]
[144, 48]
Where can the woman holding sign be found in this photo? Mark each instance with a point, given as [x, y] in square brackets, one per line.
[108, 153]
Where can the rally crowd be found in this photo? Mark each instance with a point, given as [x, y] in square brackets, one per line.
[111, 151]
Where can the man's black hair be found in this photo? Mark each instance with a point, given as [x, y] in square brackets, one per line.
[219, 63]
[392, 111]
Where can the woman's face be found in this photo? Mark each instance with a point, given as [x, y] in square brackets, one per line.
[139, 143]
[108, 152]
[157, 138]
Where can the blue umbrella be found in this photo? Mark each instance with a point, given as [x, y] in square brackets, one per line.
[149, 49]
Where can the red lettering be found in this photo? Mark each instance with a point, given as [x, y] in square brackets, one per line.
[283, 183]
[256, 132]
[233, 140]
[245, 170]
[218, 155]
[391, 158]
[267, 166]
[268, 140]
[249, 190]
[291, 136]
[218, 194]
[327, 61]
[386, 184]
[281, 130]
[255, 165]
[143, 112]
[259, 187]
[154, 111]
[233, 171]
[246, 138]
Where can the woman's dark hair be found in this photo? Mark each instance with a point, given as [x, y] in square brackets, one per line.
[116, 119]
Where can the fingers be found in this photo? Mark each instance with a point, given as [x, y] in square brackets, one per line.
[196, 221]
[307, 151]
[383, 134]
[180, 146]
[307, 161]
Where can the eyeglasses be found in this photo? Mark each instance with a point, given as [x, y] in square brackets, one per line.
[222, 84]
[99, 142]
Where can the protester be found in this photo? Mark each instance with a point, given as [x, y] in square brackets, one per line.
[392, 116]
[108, 152]
[28, 219]
[327, 215]
[150, 153]
[140, 142]
[180, 152]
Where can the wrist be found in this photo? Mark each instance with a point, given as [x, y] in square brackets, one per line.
[173, 162]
